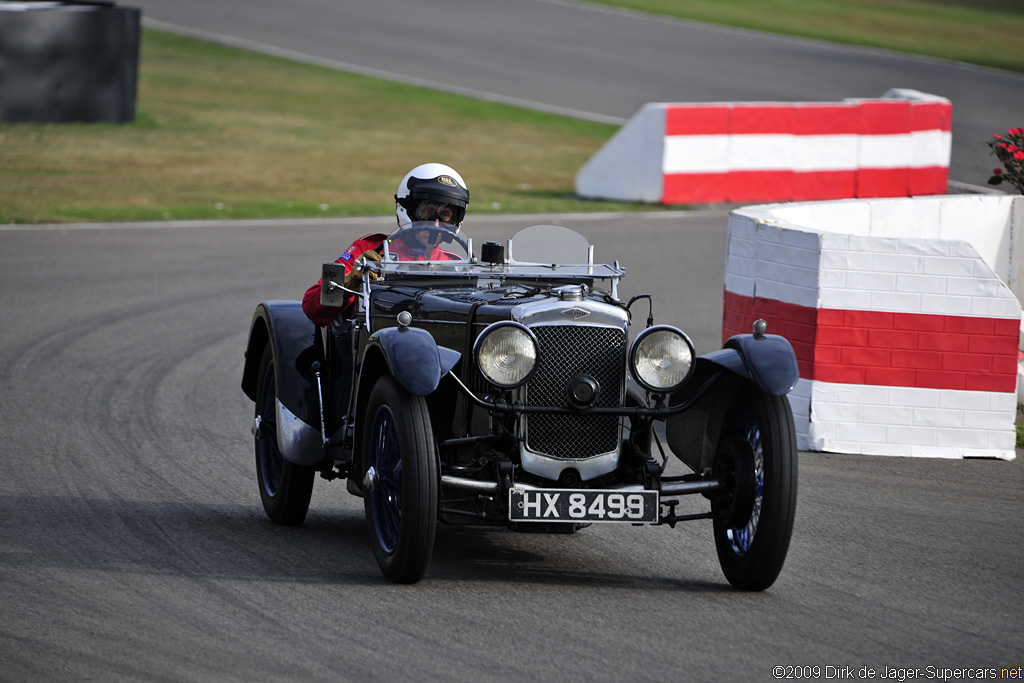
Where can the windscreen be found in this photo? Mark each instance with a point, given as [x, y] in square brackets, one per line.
[549, 244]
[427, 241]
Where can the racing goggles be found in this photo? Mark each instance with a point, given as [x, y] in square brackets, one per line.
[429, 210]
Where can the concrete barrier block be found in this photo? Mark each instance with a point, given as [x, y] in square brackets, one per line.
[832, 219]
[946, 452]
[885, 449]
[896, 301]
[803, 296]
[987, 419]
[740, 284]
[890, 218]
[859, 431]
[900, 263]
[799, 239]
[961, 249]
[924, 247]
[832, 279]
[950, 266]
[1004, 403]
[744, 226]
[908, 345]
[944, 304]
[837, 412]
[831, 242]
[629, 166]
[989, 288]
[845, 298]
[888, 415]
[743, 269]
[963, 438]
[715, 152]
[874, 244]
[920, 284]
[780, 273]
[996, 308]
[910, 435]
[847, 260]
[741, 248]
[871, 280]
[938, 417]
[912, 397]
[997, 441]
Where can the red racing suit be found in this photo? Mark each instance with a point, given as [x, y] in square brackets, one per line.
[325, 315]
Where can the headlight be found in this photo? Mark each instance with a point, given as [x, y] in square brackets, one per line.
[506, 354]
[661, 359]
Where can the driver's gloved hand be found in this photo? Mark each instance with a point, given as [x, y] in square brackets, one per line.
[355, 276]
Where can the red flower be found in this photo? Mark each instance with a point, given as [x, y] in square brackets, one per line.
[1009, 151]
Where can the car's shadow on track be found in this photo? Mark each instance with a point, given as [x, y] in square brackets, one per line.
[500, 556]
[236, 542]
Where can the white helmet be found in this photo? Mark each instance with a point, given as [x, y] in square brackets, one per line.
[431, 183]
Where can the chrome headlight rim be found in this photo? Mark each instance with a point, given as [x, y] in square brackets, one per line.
[490, 330]
[636, 347]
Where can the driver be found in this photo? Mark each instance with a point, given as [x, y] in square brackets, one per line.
[429, 192]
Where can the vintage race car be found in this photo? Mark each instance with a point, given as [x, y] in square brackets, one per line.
[503, 390]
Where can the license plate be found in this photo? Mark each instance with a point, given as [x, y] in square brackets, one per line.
[582, 505]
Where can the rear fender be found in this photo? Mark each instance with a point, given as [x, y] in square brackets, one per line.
[293, 340]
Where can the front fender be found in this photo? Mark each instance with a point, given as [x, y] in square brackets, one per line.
[766, 360]
[414, 358]
[293, 341]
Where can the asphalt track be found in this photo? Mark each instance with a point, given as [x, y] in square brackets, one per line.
[133, 545]
[132, 541]
[594, 62]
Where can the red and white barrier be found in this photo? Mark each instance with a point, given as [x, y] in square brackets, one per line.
[896, 146]
[901, 314]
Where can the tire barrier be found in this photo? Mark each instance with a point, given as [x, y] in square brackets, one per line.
[902, 313]
[895, 146]
[63, 62]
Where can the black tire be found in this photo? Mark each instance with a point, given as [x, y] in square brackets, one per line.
[760, 432]
[401, 508]
[285, 488]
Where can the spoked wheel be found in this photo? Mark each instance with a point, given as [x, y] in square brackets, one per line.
[753, 522]
[285, 488]
[401, 481]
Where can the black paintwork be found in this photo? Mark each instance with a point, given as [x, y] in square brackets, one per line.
[414, 358]
[294, 340]
[433, 357]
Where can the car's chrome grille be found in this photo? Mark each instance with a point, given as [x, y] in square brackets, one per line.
[565, 352]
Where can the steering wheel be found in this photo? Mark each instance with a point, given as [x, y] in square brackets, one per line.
[447, 232]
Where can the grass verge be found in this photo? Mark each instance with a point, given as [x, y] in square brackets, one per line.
[984, 32]
[225, 133]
